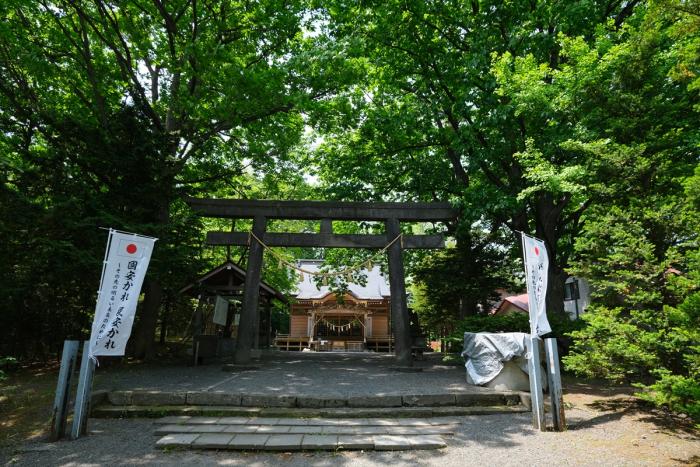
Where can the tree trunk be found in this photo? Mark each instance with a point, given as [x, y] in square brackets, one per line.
[547, 217]
[555, 289]
[145, 333]
[144, 344]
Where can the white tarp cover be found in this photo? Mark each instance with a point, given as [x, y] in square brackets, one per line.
[486, 352]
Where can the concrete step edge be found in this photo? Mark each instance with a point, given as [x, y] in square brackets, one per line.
[189, 398]
[300, 442]
[305, 430]
[111, 411]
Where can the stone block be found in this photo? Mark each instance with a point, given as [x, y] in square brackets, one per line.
[276, 429]
[284, 442]
[248, 441]
[370, 430]
[158, 398]
[213, 398]
[170, 429]
[241, 429]
[319, 442]
[375, 401]
[294, 421]
[203, 420]
[429, 400]
[355, 442]
[320, 402]
[177, 439]
[173, 419]
[99, 397]
[233, 420]
[202, 428]
[410, 422]
[341, 430]
[263, 421]
[426, 442]
[290, 412]
[311, 429]
[391, 443]
[212, 441]
[119, 397]
[268, 401]
[480, 399]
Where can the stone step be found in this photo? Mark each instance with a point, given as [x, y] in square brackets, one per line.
[222, 398]
[308, 429]
[298, 442]
[271, 421]
[154, 411]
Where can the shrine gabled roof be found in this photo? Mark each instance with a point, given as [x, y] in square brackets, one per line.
[220, 275]
[376, 287]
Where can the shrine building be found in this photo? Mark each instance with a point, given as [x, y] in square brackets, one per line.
[319, 320]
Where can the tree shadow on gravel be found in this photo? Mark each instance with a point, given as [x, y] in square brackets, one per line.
[616, 408]
[498, 431]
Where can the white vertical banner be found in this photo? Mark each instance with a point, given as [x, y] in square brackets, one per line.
[536, 269]
[220, 311]
[125, 265]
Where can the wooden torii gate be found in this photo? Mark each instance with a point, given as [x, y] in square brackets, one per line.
[392, 214]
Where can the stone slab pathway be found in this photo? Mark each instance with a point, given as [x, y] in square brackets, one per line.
[280, 434]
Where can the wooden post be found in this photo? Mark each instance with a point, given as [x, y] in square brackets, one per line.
[82, 399]
[60, 404]
[535, 373]
[251, 290]
[554, 379]
[399, 310]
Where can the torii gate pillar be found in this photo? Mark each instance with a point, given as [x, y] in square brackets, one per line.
[400, 321]
[249, 310]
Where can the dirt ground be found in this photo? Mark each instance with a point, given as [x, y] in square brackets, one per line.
[607, 426]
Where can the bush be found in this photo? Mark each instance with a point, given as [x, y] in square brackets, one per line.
[675, 392]
[513, 322]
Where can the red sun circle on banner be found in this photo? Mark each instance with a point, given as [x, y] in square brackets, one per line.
[537, 251]
[131, 248]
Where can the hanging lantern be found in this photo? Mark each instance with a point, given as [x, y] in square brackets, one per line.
[325, 280]
[301, 277]
[280, 264]
[369, 265]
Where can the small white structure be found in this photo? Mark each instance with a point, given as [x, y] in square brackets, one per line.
[577, 296]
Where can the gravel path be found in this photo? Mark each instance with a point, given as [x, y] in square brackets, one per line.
[597, 436]
[606, 428]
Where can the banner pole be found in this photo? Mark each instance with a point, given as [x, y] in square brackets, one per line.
[60, 405]
[554, 379]
[82, 399]
[87, 365]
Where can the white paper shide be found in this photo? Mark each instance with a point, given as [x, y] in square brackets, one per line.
[536, 268]
[125, 267]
